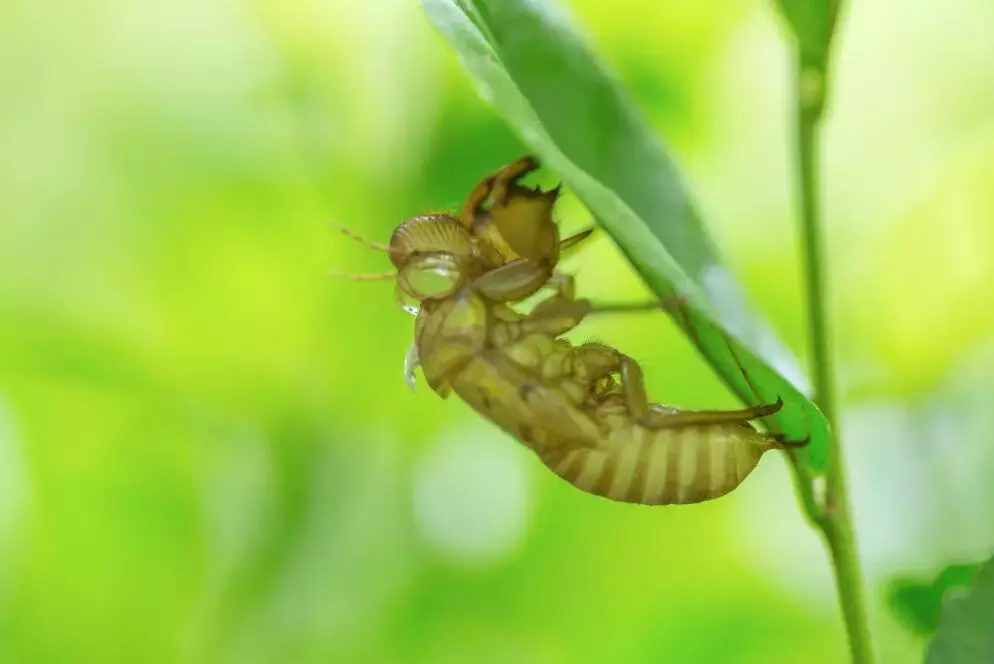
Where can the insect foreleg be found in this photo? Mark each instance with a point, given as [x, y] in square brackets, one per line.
[505, 178]
[672, 304]
[564, 285]
[555, 316]
[513, 281]
[495, 185]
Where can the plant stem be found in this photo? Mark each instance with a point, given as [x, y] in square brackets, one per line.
[835, 522]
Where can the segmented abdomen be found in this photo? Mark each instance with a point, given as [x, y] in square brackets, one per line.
[662, 466]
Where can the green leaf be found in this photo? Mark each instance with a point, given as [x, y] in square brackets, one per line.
[918, 603]
[530, 64]
[813, 24]
[966, 628]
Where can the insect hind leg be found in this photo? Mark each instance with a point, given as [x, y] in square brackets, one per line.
[636, 401]
[663, 420]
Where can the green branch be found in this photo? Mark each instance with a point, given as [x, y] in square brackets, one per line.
[834, 521]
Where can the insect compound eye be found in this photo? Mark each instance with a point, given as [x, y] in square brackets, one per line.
[434, 275]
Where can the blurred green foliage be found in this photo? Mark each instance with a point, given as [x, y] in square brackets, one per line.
[966, 630]
[208, 453]
[918, 603]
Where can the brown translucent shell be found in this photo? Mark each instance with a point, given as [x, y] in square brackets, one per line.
[524, 223]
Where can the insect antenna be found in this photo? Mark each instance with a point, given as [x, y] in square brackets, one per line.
[369, 244]
[375, 276]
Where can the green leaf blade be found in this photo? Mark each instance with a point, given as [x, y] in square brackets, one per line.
[584, 113]
[813, 24]
[533, 68]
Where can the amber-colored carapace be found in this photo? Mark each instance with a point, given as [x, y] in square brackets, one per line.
[582, 409]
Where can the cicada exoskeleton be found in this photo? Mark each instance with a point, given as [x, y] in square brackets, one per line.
[582, 409]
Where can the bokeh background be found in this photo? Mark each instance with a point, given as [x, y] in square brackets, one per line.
[207, 449]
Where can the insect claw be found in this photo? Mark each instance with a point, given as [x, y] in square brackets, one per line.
[783, 443]
[765, 410]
